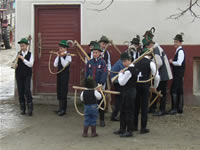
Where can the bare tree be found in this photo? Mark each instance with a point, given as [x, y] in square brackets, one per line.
[190, 9]
[100, 3]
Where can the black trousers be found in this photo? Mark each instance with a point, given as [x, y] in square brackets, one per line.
[24, 89]
[177, 86]
[117, 100]
[127, 109]
[101, 112]
[163, 88]
[141, 103]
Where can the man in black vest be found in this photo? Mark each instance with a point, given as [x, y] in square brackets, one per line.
[146, 68]
[62, 62]
[23, 76]
[178, 67]
[104, 41]
[164, 71]
[127, 79]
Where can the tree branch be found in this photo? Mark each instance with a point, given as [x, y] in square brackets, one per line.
[111, 2]
[188, 9]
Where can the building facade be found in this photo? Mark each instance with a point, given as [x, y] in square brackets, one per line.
[49, 21]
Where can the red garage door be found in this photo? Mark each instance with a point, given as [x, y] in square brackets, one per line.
[52, 24]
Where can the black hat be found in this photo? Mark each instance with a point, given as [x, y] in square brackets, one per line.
[136, 40]
[90, 83]
[92, 43]
[179, 37]
[125, 56]
[104, 39]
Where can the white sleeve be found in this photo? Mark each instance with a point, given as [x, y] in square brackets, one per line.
[56, 62]
[67, 60]
[180, 59]
[81, 96]
[97, 95]
[109, 63]
[30, 62]
[154, 73]
[124, 77]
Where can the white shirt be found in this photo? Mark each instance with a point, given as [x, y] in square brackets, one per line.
[180, 57]
[124, 77]
[96, 94]
[29, 62]
[64, 61]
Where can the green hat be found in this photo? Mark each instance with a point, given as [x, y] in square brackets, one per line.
[64, 44]
[89, 82]
[136, 40]
[96, 46]
[92, 43]
[149, 33]
[23, 41]
[125, 56]
[104, 39]
[146, 42]
[179, 37]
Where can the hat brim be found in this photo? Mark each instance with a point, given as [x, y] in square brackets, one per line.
[105, 41]
[178, 39]
[22, 42]
[62, 45]
[97, 49]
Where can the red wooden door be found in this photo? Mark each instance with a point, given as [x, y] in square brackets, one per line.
[53, 24]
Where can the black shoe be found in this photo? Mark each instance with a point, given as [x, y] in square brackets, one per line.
[160, 113]
[135, 129]
[114, 119]
[180, 104]
[152, 111]
[61, 113]
[143, 131]
[119, 132]
[172, 112]
[23, 112]
[127, 134]
[102, 123]
[23, 108]
[30, 109]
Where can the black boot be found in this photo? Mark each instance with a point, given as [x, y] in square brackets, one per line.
[94, 133]
[180, 104]
[102, 123]
[162, 107]
[62, 106]
[127, 134]
[119, 132]
[85, 131]
[173, 110]
[58, 110]
[144, 131]
[30, 109]
[23, 108]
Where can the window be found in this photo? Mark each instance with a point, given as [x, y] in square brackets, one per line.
[196, 76]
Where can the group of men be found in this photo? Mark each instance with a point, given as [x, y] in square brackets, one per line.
[132, 81]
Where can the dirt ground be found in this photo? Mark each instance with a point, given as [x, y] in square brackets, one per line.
[47, 131]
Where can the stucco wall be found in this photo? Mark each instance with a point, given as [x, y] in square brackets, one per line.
[122, 20]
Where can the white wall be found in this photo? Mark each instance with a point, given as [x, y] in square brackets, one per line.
[122, 20]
